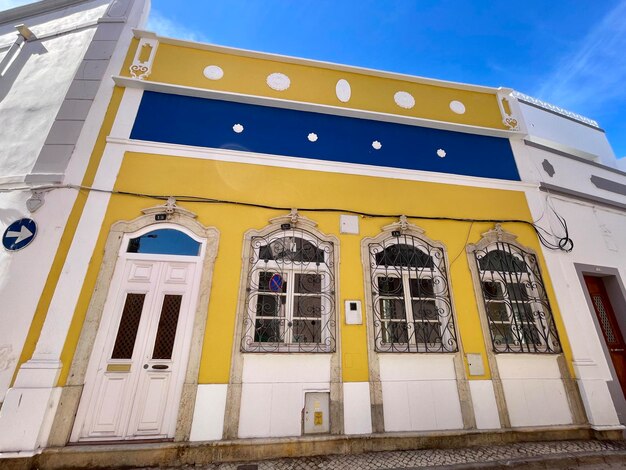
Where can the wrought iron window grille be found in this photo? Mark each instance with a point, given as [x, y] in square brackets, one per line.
[412, 310]
[290, 295]
[517, 309]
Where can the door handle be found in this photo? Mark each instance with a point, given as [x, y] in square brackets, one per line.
[160, 366]
[616, 350]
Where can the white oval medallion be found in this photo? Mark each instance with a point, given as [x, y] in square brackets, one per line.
[457, 107]
[213, 72]
[278, 81]
[238, 128]
[441, 153]
[377, 145]
[404, 99]
[343, 91]
[312, 137]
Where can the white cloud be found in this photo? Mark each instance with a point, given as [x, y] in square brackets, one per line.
[593, 74]
[163, 26]
[8, 4]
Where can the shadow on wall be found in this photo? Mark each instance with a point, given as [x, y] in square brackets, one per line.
[13, 63]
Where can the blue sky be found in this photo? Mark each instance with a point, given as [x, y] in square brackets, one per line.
[571, 53]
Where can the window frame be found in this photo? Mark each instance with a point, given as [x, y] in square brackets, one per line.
[398, 234]
[544, 337]
[254, 266]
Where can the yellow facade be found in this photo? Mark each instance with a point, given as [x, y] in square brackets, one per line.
[162, 175]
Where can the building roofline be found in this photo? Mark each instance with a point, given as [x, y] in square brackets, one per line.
[318, 63]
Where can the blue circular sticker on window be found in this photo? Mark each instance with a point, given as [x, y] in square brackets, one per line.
[276, 283]
[19, 234]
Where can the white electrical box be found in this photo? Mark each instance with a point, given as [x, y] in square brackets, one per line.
[353, 312]
[349, 224]
[475, 364]
[316, 412]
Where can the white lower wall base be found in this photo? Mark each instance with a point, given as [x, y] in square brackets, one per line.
[598, 403]
[26, 418]
[208, 414]
[357, 411]
[533, 390]
[484, 403]
[420, 392]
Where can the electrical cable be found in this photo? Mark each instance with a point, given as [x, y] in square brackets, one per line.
[564, 243]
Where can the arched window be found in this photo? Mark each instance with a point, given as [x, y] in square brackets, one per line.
[290, 295]
[516, 306]
[164, 241]
[412, 311]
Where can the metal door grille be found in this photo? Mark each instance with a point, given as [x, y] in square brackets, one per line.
[604, 320]
[127, 331]
[166, 332]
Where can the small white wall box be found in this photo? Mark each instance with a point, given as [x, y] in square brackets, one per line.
[475, 364]
[316, 412]
[349, 224]
[353, 312]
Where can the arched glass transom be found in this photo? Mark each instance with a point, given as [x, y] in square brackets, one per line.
[410, 296]
[518, 312]
[164, 241]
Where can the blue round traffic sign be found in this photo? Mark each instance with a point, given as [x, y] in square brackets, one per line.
[276, 283]
[19, 234]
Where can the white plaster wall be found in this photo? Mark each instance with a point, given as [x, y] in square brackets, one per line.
[533, 390]
[357, 411]
[208, 414]
[484, 403]
[419, 392]
[273, 388]
[567, 134]
[33, 87]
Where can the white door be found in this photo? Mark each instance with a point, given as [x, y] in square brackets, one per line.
[136, 372]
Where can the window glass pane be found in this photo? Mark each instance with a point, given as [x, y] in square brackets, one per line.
[394, 332]
[499, 260]
[496, 311]
[271, 282]
[308, 283]
[307, 331]
[502, 334]
[422, 287]
[517, 291]
[127, 331]
[493, 290]
[427, 332]
[404, 255]
[291, 249]
[270, 305]
[165, 241]
[308, 306]
[392, 309]
[166, 332]
[391, 286]
[268, 331]
[425, 310]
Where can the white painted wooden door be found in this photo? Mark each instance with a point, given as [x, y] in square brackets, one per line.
[134, 380]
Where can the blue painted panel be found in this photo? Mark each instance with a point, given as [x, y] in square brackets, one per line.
[209, 123]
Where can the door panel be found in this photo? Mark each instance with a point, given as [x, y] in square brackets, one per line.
[137, 379]
[609, 325]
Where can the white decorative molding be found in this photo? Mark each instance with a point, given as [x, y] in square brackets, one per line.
[377, 145]
[441, 153]
[213, 72]
[404, 99]
[278, 81]
[343, 90]
[457, 107]
[238, 128]
[144, 58]
[555, 109]
[169, 208]
[509, 117]
[312, 137]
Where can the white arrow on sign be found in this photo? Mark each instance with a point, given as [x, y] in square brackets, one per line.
[22, 235]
